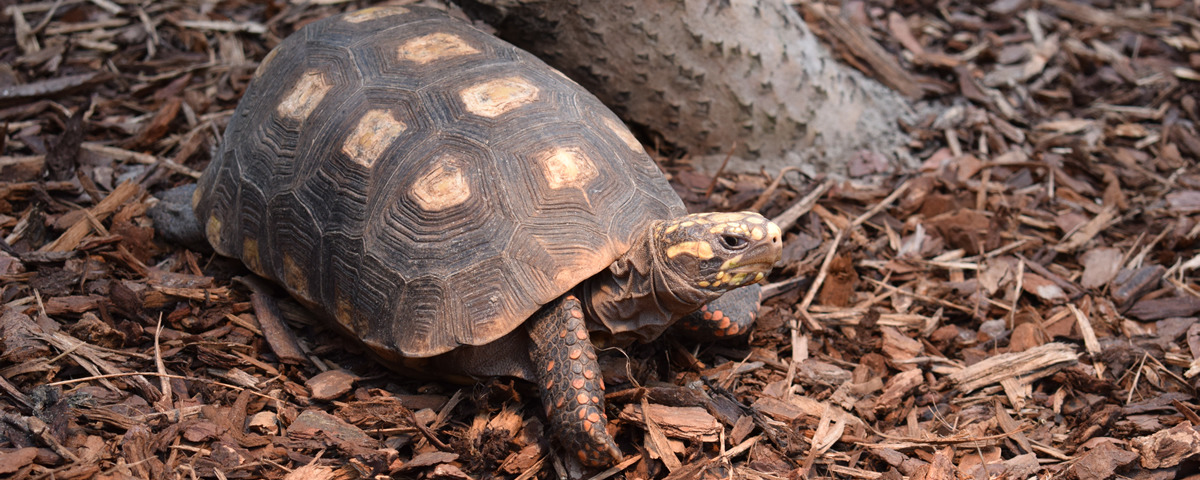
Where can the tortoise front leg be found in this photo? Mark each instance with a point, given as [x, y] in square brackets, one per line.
[568, 376]
[730, 315]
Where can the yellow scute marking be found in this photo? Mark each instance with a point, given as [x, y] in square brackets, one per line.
[212, 230]
[345, 311]
[305, 96]
[701, 250]
[435, 46]
[250, 255]
[369, 14]
[493, 98]
[295, 277]
[196, 196]
[262, 66]
[756, 234]
[374, 133]
[442, 187]
[624, 134]
[567, 167]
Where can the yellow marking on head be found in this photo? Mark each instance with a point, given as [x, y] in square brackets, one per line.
[686, 224]
[373, 13]
[756, 234]
[435, 46]
[624, 134]
[671, 229]
[755, 219]
[716, 229]
[250, 255]
[720, 275]
[704, 283]
[305, 96]
[567, 167]
[773, 229]
[212, 230]
[295, 277]
[731, 263]
[716, 284]
[758, 276]
[728, 217]
[443, 187]
[737, 279]
[374, 133]
[262, 66]
[490, 99]
[701, 250]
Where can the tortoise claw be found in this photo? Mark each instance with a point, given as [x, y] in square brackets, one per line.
[570, 381]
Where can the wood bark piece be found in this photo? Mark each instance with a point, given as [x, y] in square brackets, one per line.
[1102, 462]
[51, 87]
[311, 471]
[330, 385]
[1161, 308]
[113, 202]
[898, 387]
[283, 342]
[677, 422]
[1167, 448]
[708, 75]
[1029, 365]
[1088, 231]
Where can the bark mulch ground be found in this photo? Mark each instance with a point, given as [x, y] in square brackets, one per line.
[1023, 305]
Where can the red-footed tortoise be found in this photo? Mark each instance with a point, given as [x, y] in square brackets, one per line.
[461, 207]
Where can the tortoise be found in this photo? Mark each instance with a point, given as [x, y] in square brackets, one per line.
[462, 208]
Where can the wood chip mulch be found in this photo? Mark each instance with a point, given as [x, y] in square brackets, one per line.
[1024, 305]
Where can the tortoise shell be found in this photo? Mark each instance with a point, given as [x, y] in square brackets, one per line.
[422, 182]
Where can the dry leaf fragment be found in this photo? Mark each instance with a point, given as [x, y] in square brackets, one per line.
[1043, 288]
[1100, 266]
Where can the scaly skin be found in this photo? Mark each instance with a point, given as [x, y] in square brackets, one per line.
[570, 381]
[731, 315]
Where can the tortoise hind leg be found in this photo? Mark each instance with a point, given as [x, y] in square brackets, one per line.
[569, 379]
[730, 315]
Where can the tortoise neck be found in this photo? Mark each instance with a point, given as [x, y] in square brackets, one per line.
[638, 296]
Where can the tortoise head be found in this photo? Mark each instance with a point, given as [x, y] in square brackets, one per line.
[717, 252]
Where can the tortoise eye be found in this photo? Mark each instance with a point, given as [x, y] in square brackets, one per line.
[733, 242]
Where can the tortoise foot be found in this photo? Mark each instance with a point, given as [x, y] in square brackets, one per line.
[731, 315]
[571, 385]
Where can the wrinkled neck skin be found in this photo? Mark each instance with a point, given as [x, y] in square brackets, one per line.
[638, 296]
